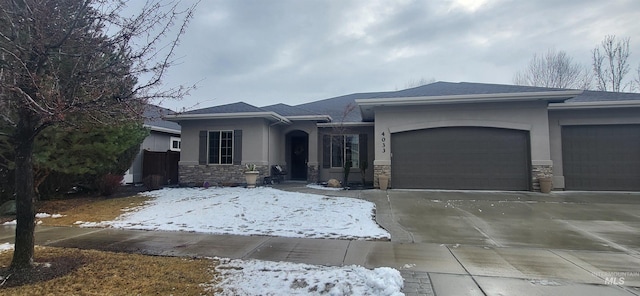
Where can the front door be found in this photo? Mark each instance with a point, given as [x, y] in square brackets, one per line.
[299, 155]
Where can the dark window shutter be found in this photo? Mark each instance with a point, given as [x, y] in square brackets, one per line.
[363, 148]
[237, 147]
[202, 150]
[326, 151]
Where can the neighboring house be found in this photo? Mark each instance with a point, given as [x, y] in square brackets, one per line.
[163, 136]
[440, 136]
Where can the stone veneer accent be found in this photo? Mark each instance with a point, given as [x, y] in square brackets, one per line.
[381, 170]
[540, 171]
[217, 175]
[537, 171]
[313, 174]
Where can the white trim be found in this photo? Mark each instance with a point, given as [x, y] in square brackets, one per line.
[233, 147]
[175, 139]
[268, 115]
[595, 105]
[162, 129]
[542, 162]
[326, 118]
[344, 149]
[472, 98]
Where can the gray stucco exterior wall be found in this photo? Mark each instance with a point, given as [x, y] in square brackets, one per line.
[529, 116]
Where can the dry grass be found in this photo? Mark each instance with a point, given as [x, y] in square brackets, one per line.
[63, 271]
[88, 209]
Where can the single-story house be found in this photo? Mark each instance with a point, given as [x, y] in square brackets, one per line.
[437, 136]
[163, 136]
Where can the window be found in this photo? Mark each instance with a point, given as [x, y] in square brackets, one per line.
[345, 148]
[175, 144]
[221, 147]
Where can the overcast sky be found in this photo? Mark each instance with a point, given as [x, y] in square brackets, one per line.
[293, 52]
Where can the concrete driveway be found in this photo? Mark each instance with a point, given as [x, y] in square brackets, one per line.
[506, 243]
[562, 220]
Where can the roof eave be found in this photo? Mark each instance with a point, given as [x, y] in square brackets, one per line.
[239, 115]
[595, 105]
[162, 129]
[320, 118]
[455, 99]
[367, 105]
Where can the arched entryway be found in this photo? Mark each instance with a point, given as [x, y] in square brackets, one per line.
[297, 153]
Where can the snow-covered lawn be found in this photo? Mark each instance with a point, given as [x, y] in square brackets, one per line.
[267, 211]
[258, 211]
[255, 277]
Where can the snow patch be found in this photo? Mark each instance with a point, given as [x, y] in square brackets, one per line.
[42, 215]
[258, 211]
[320, 187]
[548, 283]
[6, 247]
[256, 277]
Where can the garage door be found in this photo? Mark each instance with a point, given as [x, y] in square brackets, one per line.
[461, 158]
[601, 157]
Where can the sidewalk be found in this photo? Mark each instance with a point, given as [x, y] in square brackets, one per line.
[429, 269]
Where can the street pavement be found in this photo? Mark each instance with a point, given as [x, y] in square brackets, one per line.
[443, 243]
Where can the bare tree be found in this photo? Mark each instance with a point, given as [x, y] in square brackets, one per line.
[419, 82]
[554, 69]
[70, 62]
[610, 63]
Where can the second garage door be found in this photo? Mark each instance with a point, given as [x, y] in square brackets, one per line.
[461, 158]
[601, 157]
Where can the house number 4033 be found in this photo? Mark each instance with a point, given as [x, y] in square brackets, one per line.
[383, 140]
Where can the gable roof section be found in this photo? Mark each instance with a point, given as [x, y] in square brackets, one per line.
[342, 108]
[463, 92]
[598, 100]
[239, 107]
[604, 96]
[229, 111]
[297, 113]
[442, 88]
[447, 91]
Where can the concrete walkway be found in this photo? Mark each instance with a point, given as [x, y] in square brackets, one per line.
[483, 261]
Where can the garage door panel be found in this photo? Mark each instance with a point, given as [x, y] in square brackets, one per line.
[601, 157]
[461, 158]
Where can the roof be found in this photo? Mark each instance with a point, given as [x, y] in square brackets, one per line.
[286, 110]
[239, 107]
[600, 96]
[229, 111]
[277, 113]
[154, 118]
[441, 88]
[336, 107]
[345, 108]
[341, 109]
